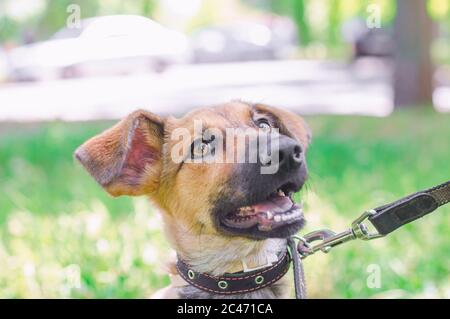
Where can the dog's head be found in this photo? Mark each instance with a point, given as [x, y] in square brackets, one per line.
[176, 163]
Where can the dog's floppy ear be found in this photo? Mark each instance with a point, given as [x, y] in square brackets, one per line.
[126, 159]
[289, 123]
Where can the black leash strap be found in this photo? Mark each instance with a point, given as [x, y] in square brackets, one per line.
[299, 277]
[388, 218]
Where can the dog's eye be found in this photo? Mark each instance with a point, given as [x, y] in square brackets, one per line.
[201, 148]
[264, 124]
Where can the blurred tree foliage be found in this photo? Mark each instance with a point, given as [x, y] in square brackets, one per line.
[299, 15]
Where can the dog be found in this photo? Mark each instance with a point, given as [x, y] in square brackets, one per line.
[221, 218]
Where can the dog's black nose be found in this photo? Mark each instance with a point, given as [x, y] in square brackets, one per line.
[290, 154]
[289, 151]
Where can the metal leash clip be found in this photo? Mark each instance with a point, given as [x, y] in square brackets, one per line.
[329, 239]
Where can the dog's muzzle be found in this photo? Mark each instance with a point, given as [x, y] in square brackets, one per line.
[266, 207]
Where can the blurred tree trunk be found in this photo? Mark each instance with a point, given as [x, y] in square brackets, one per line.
[413, 67]
[300, 19]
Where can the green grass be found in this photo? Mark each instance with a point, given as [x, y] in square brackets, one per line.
[62, 236]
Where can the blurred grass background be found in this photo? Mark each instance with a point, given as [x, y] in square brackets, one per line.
[62, 236]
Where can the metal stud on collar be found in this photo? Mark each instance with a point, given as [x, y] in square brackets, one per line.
[259, 280]
[191, 274]
[222, 284]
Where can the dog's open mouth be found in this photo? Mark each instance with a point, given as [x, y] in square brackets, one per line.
[276, 211]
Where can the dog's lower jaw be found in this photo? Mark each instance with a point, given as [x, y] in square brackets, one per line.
[216, 255]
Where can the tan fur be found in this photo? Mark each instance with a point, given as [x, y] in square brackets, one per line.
[183, 195]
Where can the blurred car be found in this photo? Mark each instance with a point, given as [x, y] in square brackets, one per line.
[245, 41]
[367, 42]
[107, 45]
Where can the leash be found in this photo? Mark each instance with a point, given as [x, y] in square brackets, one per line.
[299, 275]
[385, 219]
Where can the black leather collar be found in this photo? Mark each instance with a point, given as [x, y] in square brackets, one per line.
[235, 283]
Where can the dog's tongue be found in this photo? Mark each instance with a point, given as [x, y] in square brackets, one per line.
[278, 204]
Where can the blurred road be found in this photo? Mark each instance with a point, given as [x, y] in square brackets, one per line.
[307, 87]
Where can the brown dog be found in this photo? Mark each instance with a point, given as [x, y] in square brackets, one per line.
[221, 218]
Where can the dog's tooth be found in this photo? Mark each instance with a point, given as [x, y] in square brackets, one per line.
[269, 214]
[277, 218]
[245, 210]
